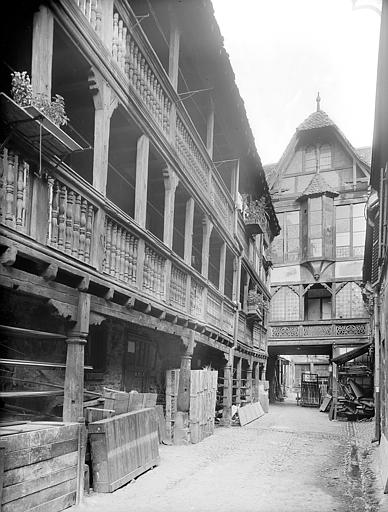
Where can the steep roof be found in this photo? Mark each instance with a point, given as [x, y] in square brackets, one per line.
[318, 185]
[318, 119]
[365, 153]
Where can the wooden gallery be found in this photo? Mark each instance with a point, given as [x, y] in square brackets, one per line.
[135, 224]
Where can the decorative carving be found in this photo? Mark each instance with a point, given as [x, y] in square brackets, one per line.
[285, 331]
[351, 329]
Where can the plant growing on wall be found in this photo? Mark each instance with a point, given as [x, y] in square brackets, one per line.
[22, 94]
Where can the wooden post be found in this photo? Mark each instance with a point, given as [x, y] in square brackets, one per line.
[171, 181]
[249, 391]
[173, 57]
[210, 130]
[74, 376]
[207, 227]
[42, 51]
[189, 222]
[228, 389]
[238, 381]
[234, 192]
[107, 22]
[221, 280]
[143, 146]
[105, 102]
[181, 427]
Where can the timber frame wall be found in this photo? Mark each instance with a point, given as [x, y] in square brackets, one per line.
[64, 240]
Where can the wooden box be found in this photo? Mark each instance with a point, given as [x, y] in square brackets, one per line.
[43, 466]
[122, 448]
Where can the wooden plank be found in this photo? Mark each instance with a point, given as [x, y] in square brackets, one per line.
[29, 456]
[29, 394]
[2, 450]
[39, 469]
[29, 333]
[44, 435]
[57, 504]
[325, 403]
[40, 497]
[249, 413]
[23, 489]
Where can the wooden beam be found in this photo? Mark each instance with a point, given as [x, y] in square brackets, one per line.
[210, 130]
[42, 51]
[142, 155]
[18, 332]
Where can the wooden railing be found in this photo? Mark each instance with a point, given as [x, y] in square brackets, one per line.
[92, 10]
[120, 251]
[324, 329]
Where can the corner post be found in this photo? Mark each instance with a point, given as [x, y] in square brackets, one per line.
[42, 51]
[142, 155]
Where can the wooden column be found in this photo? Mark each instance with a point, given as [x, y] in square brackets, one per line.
[238, 381]
[173, 57]
[143, 147]
[234, 191]
[42, 51]
[189, 222]
[249, 384]
[74, 376]
[181, 427]
[221, 280]
[207, 227]
[228, 390]
[107, 22]
[170, 184]
[236, 280]
[210, 130]
[105, 102]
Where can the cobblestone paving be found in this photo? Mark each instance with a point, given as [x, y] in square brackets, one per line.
[291, 460]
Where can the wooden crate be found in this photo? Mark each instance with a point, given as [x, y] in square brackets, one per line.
[43, 466]
[121, 402]
[203, 395]
[122, 448]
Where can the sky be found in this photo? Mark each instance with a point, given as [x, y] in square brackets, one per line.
[284, 51]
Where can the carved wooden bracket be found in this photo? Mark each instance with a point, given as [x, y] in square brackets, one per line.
[8, 257]
[104, 97]
[68, 311]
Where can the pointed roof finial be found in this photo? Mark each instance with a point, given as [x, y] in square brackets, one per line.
[318, 100]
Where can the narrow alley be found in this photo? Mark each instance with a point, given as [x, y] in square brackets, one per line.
[291, 459]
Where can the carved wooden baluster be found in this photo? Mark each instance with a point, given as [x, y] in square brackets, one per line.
[113, 251]
[82, 229]
[119, 41]
[142, 78]
[131, 241]
[168, 110]
[126, 271]
[9, 187]
[82, 6]
[162, 277]
[154, 272]
[19, 194]
[62, 217]
[119, 253]
[69, 222]
[148, 88]
[115, 35]
[152, 95]
[127, 56]
[89, 231]
[157, 275]
[136, 68]
[147, 270]
[134, 259]
[93, 13]
[108, 245]
[76, 225]
[124, 48]
[54, 213]
[131, 61]
[99, 17]
[3, 166]
[123, 254]
[87, 9]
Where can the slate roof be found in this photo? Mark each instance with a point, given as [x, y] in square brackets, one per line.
[318, 185]
[318, 119]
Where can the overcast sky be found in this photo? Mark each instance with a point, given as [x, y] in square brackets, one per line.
[284, 51]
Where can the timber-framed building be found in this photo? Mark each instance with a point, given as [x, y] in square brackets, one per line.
[135, 236]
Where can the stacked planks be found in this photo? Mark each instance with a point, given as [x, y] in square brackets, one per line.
[121, 402]
[43, 466]
[122, 448]
[203, 394]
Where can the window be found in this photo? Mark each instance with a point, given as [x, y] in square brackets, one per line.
[315, 227]
[285, 248]
[324, 157]
[349, 303]
[318, 303]
[285, 304]
[350, 230]
[310, 162]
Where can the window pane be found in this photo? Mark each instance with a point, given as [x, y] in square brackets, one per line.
[342, 252]
[343, 212]
[325, 157]
[358, 239]
[358, 251]
[342, 239]
[315, 204]
[316, 231]
[316, 247]
[342, 225]
[358, 210]
[315, 218]
[293, 245]
[359, 224]
[310, 159]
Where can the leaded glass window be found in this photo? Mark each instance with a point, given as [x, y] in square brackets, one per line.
[285, 305]
[350, 230]
[349, 303]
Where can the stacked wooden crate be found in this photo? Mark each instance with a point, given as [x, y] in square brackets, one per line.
[203, 394]
[43, 466]
[123, 447]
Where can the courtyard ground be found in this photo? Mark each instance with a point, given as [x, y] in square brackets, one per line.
[290, 460]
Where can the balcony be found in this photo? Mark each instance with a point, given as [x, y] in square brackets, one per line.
[325, 331]
[61, 217]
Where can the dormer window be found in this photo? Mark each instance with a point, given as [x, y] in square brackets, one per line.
[317, 158]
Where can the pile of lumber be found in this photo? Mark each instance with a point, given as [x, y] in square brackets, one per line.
[353, 403]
